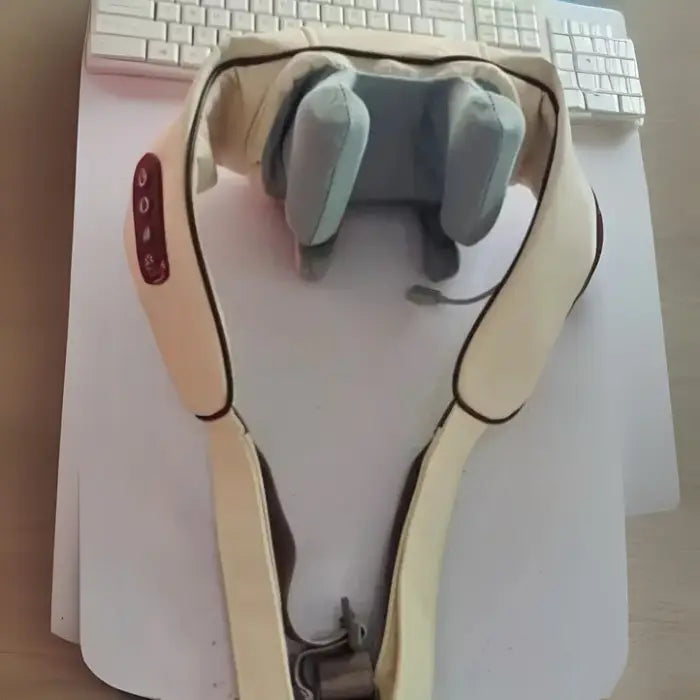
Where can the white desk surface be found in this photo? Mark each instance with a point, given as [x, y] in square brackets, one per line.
[535, 569]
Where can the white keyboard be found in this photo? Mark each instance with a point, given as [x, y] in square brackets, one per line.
[173, 38]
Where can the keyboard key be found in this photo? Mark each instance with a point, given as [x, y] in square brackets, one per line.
[290, 23]
[191, 14]
[486, 15]
[619, 84]
[332, 14]
[574, 99]
[614, 66]
[508, 37]
[133, 8]
[129, 27]
[244, 21]
[527, 20]
[584, 28]
[586, 64]
[189, 2]
[561, 42]
[193, 56]
[574, 27]
[451, 30]
[485, 3]
[635, 86]
[600, 62]
[624, 49]
[630, 68]
[422, 25]
[163, 52]
[313, 24]
[559, 26]
[588, 81]
[568, 79]
[602, 102]
[111, 46]
[443, 10]
[237, 5]
[600, 46]
[217, 17]
[205, 36]
[410, 7]
[168, 11]
[262, 7]
[212, 3]
[389, 5]
[378, 20]
[268, 23]
[180, 33]
[583, 44]
[487, 33]
[631, 105]
[604, 83]
[506, 18]
[225, 36]
[355, 17]
[366, 4]
[529, 40]
[399, 23]
[564, 61]
[505, 4]
[309, 10]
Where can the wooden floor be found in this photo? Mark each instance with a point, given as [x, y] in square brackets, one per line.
[38, 110]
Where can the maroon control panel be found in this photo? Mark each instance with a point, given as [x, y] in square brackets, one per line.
[149, 226]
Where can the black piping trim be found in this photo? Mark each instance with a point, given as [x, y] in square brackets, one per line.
[545, 181]
[245, 61]
[391, 554]
[445, 414]
[599, 242]
[600, 237]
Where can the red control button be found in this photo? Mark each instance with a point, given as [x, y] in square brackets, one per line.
[149, 225]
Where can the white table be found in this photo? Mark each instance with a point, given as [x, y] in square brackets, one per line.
[535, 572]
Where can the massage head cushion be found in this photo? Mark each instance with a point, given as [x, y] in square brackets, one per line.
[446, 147]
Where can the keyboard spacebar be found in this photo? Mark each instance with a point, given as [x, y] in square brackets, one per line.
[112, 46]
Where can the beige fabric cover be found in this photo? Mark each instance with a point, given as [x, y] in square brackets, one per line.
[228, 114]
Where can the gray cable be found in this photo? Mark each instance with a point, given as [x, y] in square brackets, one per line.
[428, 296]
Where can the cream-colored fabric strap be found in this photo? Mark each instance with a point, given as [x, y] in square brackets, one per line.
[247, 563]
[404, 669]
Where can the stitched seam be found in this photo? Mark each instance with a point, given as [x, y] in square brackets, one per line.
[322, 211]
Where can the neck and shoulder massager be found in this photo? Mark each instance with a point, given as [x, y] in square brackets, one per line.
[335, 119]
